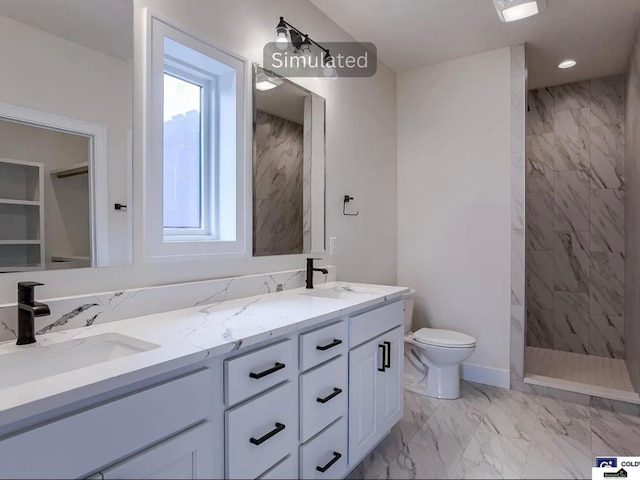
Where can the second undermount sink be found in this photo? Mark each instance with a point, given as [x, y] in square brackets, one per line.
[325, 293]
[42, 361]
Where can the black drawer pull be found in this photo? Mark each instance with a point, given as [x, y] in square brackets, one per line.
[274, 369]
[264, 438]
[336, 456]
[336, 392]
[388, 362]
[384, 363]
[335, 343]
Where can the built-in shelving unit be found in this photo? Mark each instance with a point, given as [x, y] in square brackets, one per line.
[21, 216]
[72, 171]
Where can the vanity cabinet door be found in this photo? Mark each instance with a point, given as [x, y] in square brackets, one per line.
[389, 381]
[185, 456]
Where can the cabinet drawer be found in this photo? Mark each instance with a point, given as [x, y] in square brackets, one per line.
[325, 456]
[286, 469]
[261, 432]
[104, 434]
[320, 345]
[257, 371]
[323, 396]
[368, 325]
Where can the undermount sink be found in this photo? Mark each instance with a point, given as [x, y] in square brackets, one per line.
[45, 360]
[325, 293]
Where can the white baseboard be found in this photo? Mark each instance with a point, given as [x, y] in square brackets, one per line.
[487, 375]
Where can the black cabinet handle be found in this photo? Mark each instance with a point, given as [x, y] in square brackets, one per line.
[336, 456]
[274, 369]
[336, 392]
[388, 349]
[384, 363]
[264, 438]
[335, 343]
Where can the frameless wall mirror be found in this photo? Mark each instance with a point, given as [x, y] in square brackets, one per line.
[288, 167]
[65, 133]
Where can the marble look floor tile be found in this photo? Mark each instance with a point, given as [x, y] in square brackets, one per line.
[571, 201]
[625, 408]
[614, 433]
[565, 419]
[607, 156]
[540, 328]
[540, 113]
[448, 431]
[490, 455]
[539, 214]
[539, 280]
[392, 444]
[607, 284]
[606, 336]
[512, 414]
[571, 322]
[571, 262]
[607, 221]
[475, 399]
[571, 129]
[417, 411]
[540, 162]
[608, 100]
[556, 456]
[419, 462]
[572, 95]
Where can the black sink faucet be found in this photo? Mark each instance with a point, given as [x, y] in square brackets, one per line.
[28, 310]
[310, 271]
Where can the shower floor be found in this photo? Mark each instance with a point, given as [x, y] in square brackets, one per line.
[576, 372]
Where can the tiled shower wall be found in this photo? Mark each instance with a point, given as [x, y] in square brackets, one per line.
[575, 235]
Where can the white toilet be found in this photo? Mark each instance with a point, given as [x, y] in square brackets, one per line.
[433, 357]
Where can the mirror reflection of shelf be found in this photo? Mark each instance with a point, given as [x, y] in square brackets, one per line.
[72, 171]
[21, 216]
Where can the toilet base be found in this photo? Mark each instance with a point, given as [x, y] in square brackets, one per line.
[419, 377]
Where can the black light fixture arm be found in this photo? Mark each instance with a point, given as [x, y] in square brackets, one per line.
[284, 23]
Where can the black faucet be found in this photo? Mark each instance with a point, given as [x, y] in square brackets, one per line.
[28, 310]
[310, 271]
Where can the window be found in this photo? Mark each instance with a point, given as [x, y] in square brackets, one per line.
[195, 165]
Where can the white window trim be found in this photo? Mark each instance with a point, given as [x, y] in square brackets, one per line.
[155, 247]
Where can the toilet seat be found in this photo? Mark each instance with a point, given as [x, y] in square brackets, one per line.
[443, 338]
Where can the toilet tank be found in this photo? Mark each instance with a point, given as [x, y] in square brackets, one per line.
[408, 309]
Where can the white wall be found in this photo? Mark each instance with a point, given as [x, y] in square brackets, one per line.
[454, 220]
[45, 72]
[361, 156]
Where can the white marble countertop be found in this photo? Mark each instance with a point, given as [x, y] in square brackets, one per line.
[184, 337]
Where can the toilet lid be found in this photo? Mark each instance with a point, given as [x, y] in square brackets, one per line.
[443, 338]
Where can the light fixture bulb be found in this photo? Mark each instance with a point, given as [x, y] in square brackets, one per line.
[512, 10]
[329, 69]
[567, 63]
[305, 49]
[282, 42]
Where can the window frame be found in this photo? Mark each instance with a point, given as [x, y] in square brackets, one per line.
[231, 185]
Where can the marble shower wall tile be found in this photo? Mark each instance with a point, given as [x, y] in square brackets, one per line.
[572, 201]
[571, 262]
[539, 280]
[540, 213]
[571, 96]
[607, 156]
[540, 112]
[517, 190]
[571, 322]
[606, 336]
[86, 310]
[577, 211]
[571, 129]
[540, 162]
[607, 283]
[607, 100]
[517, 267]
[607, 221]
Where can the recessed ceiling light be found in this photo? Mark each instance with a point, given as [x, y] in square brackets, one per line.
[512, 10]
[567, 63]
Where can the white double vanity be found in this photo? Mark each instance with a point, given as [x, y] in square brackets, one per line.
[295, 384]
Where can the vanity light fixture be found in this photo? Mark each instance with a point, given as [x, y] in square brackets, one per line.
[512, 10]
[568, 63]
[289, 36]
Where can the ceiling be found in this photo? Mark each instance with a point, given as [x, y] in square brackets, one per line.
[102, 25]
[415, 33]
